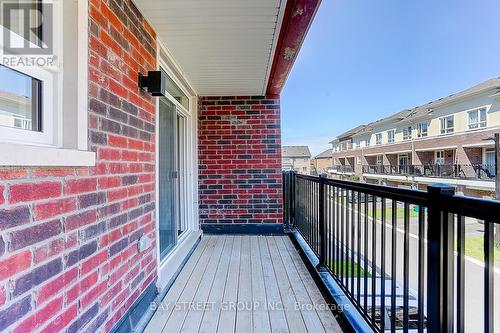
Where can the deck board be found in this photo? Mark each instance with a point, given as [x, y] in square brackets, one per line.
[244, 284]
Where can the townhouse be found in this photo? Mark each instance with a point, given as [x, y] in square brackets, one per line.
[447, 140]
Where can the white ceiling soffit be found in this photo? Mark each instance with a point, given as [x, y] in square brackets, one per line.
[225, 47]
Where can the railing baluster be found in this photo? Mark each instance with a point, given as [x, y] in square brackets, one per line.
[421, 267]
[342, 247]
[351, 250]
[394, 263]
[406, 267]
[374, 257]
[365, 254]
[382, 266]
[337, 232]
[359, 247]
[489, 272]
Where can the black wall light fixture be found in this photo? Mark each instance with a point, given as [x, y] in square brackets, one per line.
[155, 83]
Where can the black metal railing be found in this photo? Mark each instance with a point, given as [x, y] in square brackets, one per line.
[471, 171]
[398, 254]
[342, 168]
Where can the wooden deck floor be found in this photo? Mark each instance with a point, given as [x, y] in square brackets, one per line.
[244, 284]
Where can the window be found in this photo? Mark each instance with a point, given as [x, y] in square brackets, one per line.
[447, 124]
[367, 142]
[380, 159]
[358, 159]
[20, 100]
[422, 130]
[44, 90]
[358, 143]
[407, 135]
[439, 159]
[489, 161]
[477, 118]
[378, 138]
[390, 136]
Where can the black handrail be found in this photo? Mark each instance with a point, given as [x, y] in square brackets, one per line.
[462, 171]
[345, 224]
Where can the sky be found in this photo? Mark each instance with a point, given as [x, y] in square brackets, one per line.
[363, 60]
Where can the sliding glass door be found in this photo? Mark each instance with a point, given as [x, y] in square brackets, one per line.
[168, 175]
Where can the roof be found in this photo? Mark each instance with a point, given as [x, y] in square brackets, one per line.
[295, 151]
[425, 109]
[326, 154]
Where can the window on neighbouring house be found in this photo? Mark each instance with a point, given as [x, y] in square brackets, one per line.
[367, 142]
[358, 143]
[407, 133]
[358, 160]
[378, 138]
[390, 136]
[477, 118]
[447, 124]
[422, 129]
[380, 159]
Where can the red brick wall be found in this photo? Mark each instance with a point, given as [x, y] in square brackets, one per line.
[68, 236]
[240, 160]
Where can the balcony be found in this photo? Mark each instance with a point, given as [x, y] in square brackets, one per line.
[244, 284]
[452, 171]
[342, 169]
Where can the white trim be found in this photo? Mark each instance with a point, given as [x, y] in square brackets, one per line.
[277, 32]
[479, 145]
[83, 71]
[24, 155]
[65, 127]
[171, 264]
[436, 148]
[168, 266]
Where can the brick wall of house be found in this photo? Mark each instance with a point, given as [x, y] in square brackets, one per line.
[68, 236]
[240, 160]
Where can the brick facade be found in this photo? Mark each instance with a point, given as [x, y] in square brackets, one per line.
[240, 160]
[68, 236]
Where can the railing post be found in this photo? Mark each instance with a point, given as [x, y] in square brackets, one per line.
[293, 180]
[322, 223]
[440, 261]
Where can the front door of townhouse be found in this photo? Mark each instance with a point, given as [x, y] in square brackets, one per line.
[167, 177]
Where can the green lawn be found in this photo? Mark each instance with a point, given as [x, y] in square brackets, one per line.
[388, 214]
[474, 248]
[343, 266]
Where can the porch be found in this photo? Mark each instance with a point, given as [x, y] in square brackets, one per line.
[244, 284]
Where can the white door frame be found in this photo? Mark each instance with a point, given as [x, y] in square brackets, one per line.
[168, 267]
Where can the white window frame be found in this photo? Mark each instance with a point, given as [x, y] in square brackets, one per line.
[168, 266]
[378, 139]
[368, 142]
[480, 123]
[380, 160]
[443, 125]
[391, 136]
[439, 157]
[407, 133]
[64, 137]
[358, 143]
[420, 132]
[358, 160]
